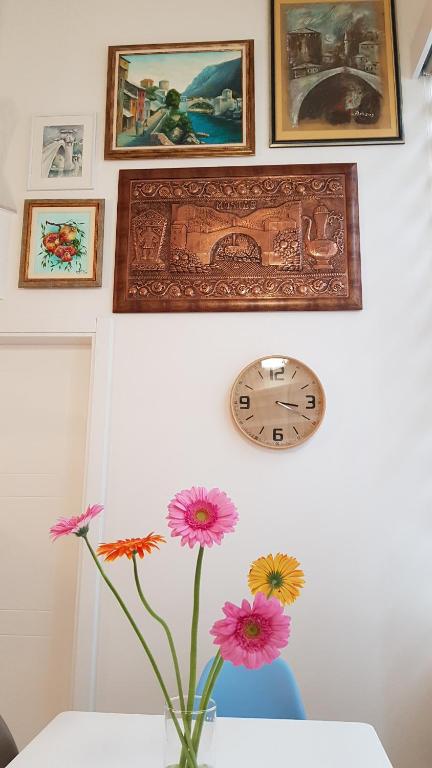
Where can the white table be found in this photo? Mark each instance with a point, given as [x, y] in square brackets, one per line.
[98, 740]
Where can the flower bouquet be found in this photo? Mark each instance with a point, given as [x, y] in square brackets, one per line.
[251, 634]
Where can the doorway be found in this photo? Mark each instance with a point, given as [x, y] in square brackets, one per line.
[44, 391]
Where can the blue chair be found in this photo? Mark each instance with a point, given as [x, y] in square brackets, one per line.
[269, 692]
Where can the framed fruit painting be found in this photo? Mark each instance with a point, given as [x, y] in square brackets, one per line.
[62, 244]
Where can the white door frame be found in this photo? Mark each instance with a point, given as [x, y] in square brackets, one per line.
[94, 492]
[95, 488]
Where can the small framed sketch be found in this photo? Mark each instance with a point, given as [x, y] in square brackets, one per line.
[335, 73]
[62, 152]
[62, 244]
[180, 100]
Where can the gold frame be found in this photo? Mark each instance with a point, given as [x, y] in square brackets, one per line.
[285, 133]
[95, 281]
[113, 152]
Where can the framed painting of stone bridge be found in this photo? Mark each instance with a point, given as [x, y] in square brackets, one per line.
[335, 72]
[238, 239]
[180, 100]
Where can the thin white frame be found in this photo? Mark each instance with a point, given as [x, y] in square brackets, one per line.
[85, 181]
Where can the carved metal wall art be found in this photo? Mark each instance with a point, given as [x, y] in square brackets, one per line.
[238, 239]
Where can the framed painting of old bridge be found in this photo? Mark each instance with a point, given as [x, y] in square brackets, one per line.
[335, 72]
[238, 239]
[180, 100]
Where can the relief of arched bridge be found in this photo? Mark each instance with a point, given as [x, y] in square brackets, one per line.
[200, 230]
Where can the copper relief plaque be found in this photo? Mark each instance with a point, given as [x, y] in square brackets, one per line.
[242, 238]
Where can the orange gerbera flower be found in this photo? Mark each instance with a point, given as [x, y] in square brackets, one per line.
[129, 547]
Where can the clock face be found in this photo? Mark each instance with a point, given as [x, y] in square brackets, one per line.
[278, 402]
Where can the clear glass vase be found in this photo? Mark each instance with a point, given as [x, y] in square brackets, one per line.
[201, 725]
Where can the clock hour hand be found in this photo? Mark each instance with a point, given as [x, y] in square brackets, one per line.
[289, 406]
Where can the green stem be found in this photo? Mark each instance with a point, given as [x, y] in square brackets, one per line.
[208, 682]
[205, 698]
[193, 647]
[194, 632]
[186, 743]
[212, 683]
[167, 631]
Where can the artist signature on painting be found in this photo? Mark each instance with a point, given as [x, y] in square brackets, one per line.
[370, 115]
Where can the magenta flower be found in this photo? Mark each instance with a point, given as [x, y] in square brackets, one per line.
[77, 525]
[201, 516]
[253, 634]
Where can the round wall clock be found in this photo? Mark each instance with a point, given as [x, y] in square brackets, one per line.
[277, 402]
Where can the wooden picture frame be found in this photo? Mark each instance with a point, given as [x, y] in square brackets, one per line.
[180, 100]
[238, 239]
[62, 244]
[335, 73]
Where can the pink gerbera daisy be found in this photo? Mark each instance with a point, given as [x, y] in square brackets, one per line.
[201, 516]
[78, 525]
[252, 635]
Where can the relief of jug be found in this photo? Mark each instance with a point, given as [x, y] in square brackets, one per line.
[322, 249]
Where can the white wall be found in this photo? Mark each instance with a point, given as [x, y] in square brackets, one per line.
[354, 503]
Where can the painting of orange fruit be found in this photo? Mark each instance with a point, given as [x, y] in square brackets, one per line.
[62, 243]
[62, 246]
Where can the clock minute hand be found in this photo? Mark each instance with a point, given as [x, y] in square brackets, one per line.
[288, 406]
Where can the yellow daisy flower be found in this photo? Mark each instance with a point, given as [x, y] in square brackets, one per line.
[276, 576]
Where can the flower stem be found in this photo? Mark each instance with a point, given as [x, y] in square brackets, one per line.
[205, 698]
[194, 632]
[186, 742]
[205, 694]
[193, 648]
[167, 631]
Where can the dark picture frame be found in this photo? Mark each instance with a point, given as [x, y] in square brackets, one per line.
[204, 107]
[335, 73]
[245, 238]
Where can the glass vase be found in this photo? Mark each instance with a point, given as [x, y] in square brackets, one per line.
[201, 725]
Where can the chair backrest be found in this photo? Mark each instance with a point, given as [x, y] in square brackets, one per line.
[8, 748]
[268, 692]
